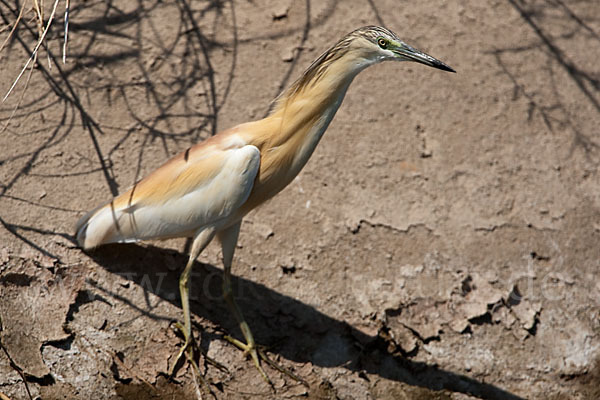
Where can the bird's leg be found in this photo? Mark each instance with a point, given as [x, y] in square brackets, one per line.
[201, 240]
[228, 238]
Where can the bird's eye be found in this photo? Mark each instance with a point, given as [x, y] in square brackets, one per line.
[382, 43]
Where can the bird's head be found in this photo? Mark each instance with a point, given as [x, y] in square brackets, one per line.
[375, 44]
[353, 53]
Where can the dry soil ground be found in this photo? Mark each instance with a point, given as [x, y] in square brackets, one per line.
[441, 243]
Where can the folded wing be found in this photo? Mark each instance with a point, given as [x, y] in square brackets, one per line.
[202, 187]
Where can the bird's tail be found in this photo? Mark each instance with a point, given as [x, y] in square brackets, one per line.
[101, 226]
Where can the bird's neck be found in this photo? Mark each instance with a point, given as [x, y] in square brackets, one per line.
[305, 110]
[288, 136]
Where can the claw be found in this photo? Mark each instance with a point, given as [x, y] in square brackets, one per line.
[188, 348]
[258, 354]
[192, 350]
[252, 352]
[279, 368]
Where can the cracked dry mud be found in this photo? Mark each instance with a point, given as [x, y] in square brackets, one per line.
[441, 243]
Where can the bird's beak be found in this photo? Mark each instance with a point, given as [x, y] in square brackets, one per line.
[406, 52]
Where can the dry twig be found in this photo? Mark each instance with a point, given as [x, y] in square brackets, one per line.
[38, 7]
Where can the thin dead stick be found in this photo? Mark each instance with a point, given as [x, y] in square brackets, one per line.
[40, 23]
[39, 10]
[67, 4]
[14, 26]
[40, 15]
[33, 54]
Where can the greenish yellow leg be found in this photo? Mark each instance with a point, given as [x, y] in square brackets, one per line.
[228, 239]
[200, 242]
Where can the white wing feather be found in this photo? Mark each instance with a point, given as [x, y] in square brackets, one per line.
[209, 203]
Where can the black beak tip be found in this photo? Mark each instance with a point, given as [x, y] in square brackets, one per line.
[443, 67]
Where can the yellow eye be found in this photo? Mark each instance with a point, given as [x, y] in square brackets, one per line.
[382, 43]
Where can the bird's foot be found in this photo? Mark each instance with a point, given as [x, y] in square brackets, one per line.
[191, 350]
[257, 353]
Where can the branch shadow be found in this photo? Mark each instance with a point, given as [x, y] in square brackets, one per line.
[540, 16]
[288, 327]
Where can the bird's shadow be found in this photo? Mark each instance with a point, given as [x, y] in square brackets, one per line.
[288, 327]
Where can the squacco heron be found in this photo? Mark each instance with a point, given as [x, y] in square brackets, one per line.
[208, 189]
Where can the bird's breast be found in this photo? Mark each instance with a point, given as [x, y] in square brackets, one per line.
[288, 138]
[280, 164]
